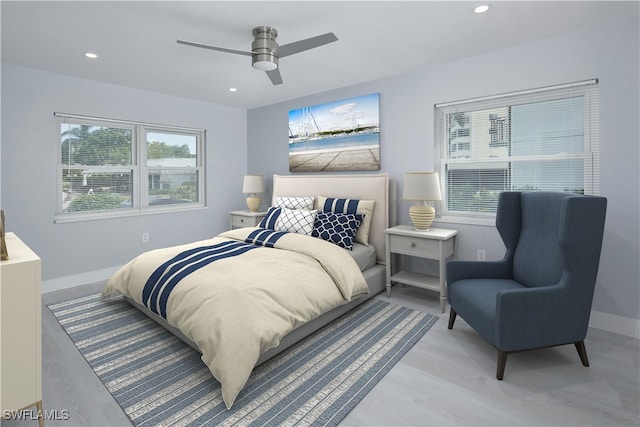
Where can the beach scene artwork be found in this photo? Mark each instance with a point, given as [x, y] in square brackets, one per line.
[337, 136]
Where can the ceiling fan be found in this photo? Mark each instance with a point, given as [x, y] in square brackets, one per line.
[265, 51]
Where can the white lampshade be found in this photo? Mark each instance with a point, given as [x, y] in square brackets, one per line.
[422, 186]
[253, 184]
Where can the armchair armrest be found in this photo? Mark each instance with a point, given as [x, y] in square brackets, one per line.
[537, 317]
[459, 270]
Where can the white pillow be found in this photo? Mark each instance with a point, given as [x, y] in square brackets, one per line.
[305, 202]
[296, 221]
[362, 207]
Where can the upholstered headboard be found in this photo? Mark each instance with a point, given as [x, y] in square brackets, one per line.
[364, 187]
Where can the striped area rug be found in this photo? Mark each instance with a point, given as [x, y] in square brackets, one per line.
[160, 381]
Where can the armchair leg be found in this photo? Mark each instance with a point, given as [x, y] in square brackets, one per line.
[502, 363]
[582, 352]
[452, 317]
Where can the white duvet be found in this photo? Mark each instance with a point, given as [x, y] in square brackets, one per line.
[237, 307]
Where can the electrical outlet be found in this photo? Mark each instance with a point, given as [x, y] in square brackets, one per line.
[481, 255]
[145, 237]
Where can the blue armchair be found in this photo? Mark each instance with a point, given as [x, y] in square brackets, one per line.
[540, 294]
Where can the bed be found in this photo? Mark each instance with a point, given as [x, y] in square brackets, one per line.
[329, 281]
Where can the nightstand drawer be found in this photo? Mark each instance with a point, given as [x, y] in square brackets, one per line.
[243, 221]
[240, 219]
[414, 246]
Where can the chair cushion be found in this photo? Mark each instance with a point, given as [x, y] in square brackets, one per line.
[475, 301]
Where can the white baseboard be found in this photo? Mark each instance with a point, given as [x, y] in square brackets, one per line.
[77, 279]
[616, 324]
[599, 320]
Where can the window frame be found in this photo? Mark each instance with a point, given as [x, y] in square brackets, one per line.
[138, 168]
[591, 142]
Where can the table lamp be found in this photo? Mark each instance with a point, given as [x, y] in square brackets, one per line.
[253, 185]
[421, 187]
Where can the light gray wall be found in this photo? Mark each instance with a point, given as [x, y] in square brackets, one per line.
[407, 134]
[28, 172]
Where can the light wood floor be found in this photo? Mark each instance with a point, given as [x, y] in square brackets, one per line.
[446, 379]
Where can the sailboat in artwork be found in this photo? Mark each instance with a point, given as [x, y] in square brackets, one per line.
[305, 128]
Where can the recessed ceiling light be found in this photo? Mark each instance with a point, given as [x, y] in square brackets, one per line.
[90, 55]
[481, 9]
[233, 89]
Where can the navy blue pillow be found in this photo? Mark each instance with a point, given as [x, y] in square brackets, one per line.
[338, 228]
[271, 218]
[351, 206]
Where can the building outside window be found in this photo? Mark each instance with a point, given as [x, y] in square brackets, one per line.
[110, 168]
[540, 140]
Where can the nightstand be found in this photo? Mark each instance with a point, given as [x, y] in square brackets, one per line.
[437, 244]
[241, 219]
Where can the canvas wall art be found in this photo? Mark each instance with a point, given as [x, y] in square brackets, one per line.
[337, 136]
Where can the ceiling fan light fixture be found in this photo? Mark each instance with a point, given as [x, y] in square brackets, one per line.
[264, 62]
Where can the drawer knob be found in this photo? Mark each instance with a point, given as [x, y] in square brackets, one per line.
[413, 244]
[241, 219]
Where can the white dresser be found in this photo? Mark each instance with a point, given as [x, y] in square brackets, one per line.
[21, 330]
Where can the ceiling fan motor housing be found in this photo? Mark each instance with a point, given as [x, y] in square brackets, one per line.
[264, 49]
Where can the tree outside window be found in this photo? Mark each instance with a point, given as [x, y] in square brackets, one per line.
[117, 168]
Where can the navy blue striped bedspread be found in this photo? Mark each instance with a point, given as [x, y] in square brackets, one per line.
[167, 276]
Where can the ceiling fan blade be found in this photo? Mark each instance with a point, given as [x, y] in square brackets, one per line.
[306, 44]
[206, 46]
[274, 76]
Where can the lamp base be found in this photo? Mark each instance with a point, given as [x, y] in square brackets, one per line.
[253, 203]
[422, 215]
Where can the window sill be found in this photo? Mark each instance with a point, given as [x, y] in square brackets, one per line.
[61, 219]
[480, 221]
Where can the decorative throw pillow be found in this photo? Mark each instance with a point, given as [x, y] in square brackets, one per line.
[352, 206]
[296, 221]
[337, 228]
[294, 202]
[271, 218]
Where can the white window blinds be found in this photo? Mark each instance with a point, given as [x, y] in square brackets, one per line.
[538, 140]
[109, 167]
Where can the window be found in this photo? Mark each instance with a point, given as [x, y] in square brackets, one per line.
[538, 140]
[108, 168]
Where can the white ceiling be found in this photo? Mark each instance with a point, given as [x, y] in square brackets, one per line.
[136, 41]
